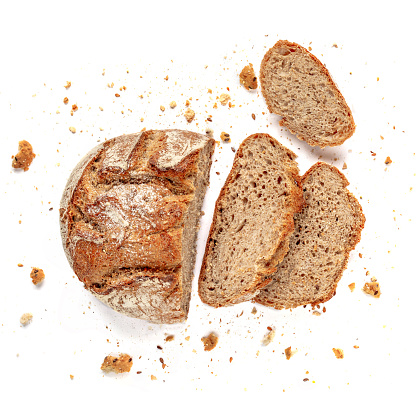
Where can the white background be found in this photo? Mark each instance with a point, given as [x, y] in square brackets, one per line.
[202, 46]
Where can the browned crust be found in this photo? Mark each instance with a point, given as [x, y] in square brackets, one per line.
[272, 259]
[310, 140]
[354, 202]
[154, 290]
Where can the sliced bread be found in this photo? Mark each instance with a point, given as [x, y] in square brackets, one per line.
[298, 87]
[252, 222]
[326, 230]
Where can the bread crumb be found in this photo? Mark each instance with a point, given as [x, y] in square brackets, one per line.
[110, 85]
[268, 338]
[248, 78]
[209, 132]
[335, 45]
[344, 166]
[339, 353]
[253, 116]
[26, 318]
[152, 377]
[225, 137]
[37, 275]
[172, 104]
[74, 107]
[288, 353]
[254, 311]
[352, 286]
[224, 98]
[388, 160]
[71, 376]
[189, 115]
[24, 156]
[162, 108]
[19, 264]
[117, 364]
[187, 338]
[316, 313]
[169, 338]
[66, 101]
[68, 84]
[372, 288]
[210, 342]
[356, 347]
[72, 130]
[117, 94]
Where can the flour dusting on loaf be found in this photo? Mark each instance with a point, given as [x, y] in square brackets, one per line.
[129, 221]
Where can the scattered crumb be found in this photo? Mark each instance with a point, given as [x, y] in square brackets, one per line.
[162, 108]
[339, 353]
[68, 84]
[356, 347]
[224, 98]
[66, 100]
[225, 137]
[24, 156]
[26, 318]
[316, 313]
[172, 104]
[253, 116]
[248, 78]
[388, 160]
[209, 132]
[19, 265]
[372, 288]
[254, 310]
[210, 342]
[71, 376]
[110, 85]
[233, 149]
[169, 338]
[288, 353]
[72, 130]
[74, 107]
[117, 364]
[344, 166]
[37, 275]
[101, 109]
[189, 115]
[268, 338]
[187, 338]
[152, 377]
[381, 137]
[352, 286]
[335, 45]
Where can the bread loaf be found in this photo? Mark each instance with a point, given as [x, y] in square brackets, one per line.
[252, 222]
[299, 88]
[129, 218]
[326, 230]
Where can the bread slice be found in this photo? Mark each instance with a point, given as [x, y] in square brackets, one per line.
[326, 230]
[252, 222]
[299, 88]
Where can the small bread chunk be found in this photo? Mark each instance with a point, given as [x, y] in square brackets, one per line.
[37, 275]
[248, 78]
[288, 353]
[24, 157]
[298, 87]
[326, 230]
[26, 318]
[210, 342]
[117, 364]
[372, 288]
[252, 222]
[339, 353]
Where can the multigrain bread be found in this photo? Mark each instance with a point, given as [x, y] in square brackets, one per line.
[129, 218]
[252, 222]
[326, 230]
[298, 87]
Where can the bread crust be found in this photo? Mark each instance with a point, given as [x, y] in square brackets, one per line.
[276, 254]
[122, 220]
[262, 299]
[283, 122]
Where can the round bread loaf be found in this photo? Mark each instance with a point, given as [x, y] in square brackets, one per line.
[129, 218]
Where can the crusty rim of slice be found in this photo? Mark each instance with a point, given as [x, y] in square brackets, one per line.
[352, 244]
[264, 274]
[321, 66]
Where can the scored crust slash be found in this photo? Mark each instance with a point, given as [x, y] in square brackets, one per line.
[129, 218]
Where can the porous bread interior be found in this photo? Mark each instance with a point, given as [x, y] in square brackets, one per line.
[191, 225]
[326, 229]
[254, 213]
[297, 88]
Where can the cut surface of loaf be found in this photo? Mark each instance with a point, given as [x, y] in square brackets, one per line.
[252, 222]
[298, 87]
[326, 230]
[129, 219]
